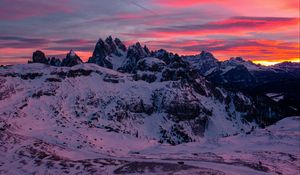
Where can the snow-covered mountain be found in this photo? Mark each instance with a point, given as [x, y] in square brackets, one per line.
[88, 119]
[121, 112]
[236, 73]
[241, 72]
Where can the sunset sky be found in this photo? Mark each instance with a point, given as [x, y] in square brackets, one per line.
[265, 31]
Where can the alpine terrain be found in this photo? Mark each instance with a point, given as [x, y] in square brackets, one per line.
[130, 110]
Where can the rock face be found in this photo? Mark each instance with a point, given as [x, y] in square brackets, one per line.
[134, 54]
[120, 45]
[150, 64]
[106, 49]
[55, 61]
[203, 62]
[39, 57]
[71, 59]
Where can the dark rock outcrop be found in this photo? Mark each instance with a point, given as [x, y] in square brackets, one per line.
[150, 64]
[55, 61]
[39, 57]
[71, 59]
[105, 49]
[120, 45]
[134, 54]
[100, 53]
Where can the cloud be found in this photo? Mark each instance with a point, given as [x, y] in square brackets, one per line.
[23, 42]
[226, 27]
[250, 49]
[233, 25]
[19, 9]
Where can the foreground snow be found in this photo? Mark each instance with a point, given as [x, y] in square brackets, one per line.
[273, 150]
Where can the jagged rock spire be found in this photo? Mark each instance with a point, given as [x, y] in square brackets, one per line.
[134, 54]
[105, 49]
[71, 59]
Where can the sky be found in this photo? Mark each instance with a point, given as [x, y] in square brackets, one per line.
[264, 31]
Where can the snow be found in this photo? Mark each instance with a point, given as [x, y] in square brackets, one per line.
[275, 96]
[69, 126]
[72, 53]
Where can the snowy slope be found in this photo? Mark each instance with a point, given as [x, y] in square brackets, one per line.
[89, 119]
[104, 98]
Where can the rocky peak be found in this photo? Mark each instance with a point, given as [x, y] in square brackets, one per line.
[120, 45]
[105, 49]
[237, 59]
[39, 57]
[72, 53]
[138, 51]
[111, 49]
[163, 55]
[71, 59]
[101, 51]
[204, 55]
[134, 54]
[55, 61]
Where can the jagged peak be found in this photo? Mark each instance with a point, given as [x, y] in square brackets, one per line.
[117, 40]
[136, 45]
[120, 44]
[239, 59]
[100, 40]
[207, 55]
[72, 53]
[109, 40]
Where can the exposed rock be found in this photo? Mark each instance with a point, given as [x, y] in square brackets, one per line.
[100, 53]
[55, 61]
[145, 76]
[39, 57]
[203, 62]
[120, 45]
[134, 54]
[71, 59]
[150, 64]
[163, 55]
[106, 49]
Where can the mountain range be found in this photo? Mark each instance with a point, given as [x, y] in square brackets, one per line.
[129, 104]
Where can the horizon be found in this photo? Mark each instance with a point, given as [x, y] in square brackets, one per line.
[263, 32]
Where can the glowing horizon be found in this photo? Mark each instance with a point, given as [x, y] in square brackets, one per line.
[264, 32]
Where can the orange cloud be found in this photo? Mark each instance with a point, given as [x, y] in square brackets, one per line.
[236, 26]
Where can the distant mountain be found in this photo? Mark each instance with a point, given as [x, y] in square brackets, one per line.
[147, 89]
[240, 72]
[236, 73]
[108, 53]
[71, 59]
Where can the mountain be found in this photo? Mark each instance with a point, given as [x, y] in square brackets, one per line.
[71, 59]
[236, 73]
[250, 74]
[89, 119]
[134, 111]
[108, 53]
